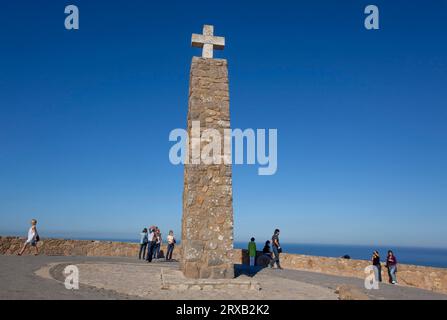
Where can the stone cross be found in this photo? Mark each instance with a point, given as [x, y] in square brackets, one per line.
[207, 41]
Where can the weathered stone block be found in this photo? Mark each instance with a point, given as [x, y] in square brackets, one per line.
[192, 250]
[222, 272]
[191, 269]
[205, 272]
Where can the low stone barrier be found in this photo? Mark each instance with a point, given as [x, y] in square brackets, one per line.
[63, 247]
[428, 278]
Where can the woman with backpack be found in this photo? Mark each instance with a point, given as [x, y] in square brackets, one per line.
[171, 243]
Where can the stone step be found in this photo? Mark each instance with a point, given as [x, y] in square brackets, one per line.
[175, 280]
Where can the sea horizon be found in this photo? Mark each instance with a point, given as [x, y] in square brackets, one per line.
[423, 256]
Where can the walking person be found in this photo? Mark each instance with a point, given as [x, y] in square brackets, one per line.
[143, 243]
[171, 243]
[252, 251]
[276, 248]
[378, 267]
[151, 244]
[391, 264]
[33, 238]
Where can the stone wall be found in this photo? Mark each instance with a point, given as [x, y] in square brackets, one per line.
[207, 222]
[62, 247]
[428, 278]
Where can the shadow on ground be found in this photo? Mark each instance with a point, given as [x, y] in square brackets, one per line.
[243, 269]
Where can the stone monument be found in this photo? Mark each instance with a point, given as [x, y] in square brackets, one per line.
[207, 222]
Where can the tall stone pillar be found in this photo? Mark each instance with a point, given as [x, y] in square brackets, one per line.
[207, 223]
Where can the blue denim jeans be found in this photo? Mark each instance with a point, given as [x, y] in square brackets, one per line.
[156, 253]
[275, 257]
[169, 252]
[150, 250]
[392, 272]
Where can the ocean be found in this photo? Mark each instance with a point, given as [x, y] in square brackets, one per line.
[431, 257]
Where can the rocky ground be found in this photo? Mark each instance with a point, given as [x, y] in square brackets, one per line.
[41, 277]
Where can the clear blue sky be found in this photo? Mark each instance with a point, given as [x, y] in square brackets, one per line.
[361, 117]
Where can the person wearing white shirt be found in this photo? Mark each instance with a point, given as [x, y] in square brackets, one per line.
[151, 244]
[171, 243]
[33, 238]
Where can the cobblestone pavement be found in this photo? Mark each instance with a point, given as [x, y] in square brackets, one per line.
[41, 277]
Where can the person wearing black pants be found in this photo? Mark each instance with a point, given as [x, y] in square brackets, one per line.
[143, 244]
[377, 265]
[150, 250]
